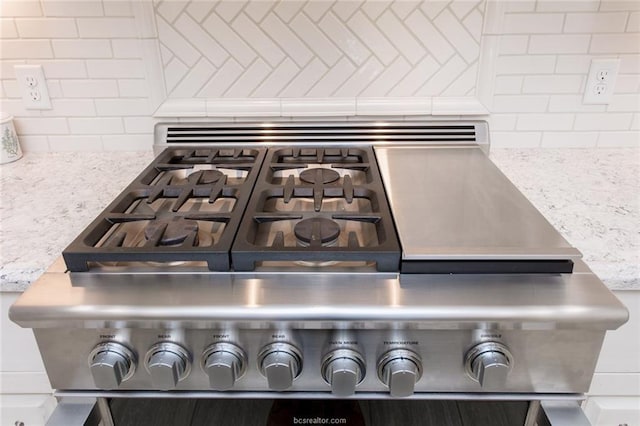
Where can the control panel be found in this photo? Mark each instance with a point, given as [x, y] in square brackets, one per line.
[398, 363]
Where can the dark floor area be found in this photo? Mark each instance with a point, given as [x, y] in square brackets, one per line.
[261, 412]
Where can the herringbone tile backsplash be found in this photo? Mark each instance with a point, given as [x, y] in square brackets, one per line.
[316, 48]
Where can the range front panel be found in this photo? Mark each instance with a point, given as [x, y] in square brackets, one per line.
[558, 361]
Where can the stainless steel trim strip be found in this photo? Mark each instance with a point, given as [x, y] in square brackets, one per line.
[564, 413]
[71, 411]
[367, 301]
[323, 395]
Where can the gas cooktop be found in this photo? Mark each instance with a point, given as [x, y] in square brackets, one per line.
[319, 198]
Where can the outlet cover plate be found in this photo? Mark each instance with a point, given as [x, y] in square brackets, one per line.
[33, 86]
[601, 81]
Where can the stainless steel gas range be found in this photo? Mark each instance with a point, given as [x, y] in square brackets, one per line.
[348, 260]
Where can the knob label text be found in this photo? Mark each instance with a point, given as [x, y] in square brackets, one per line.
[400, 342]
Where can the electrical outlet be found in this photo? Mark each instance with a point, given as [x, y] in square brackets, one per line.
[603, 75]
[601, 81]
[33, 86]
[30, 80]
[35, 95]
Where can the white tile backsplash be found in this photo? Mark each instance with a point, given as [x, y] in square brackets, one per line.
[620, 43]
[533, 23]
[547, 121]
[501, 139]
[117, 8]
[526, 64]
[616, 139]
[238, 107]
[559, 44]
[625, 103]
[42, 126]
[64, 69]
[133, 88]
[508, 85]
[20, 8]
[46, 28]
[89, 88]
[603, 121]
[122, 107]
[8, 29]
[320, 58]
[572, 103]
[519, 103]
[96, 126]
[567, 5]
[552, 83]
[569, 139]
[126, 48]
[243, 86]
[115, 68]
[72, 8]
[619, 5]
[277, 80]
[71, 108]
[81, 49]
[283, 36]
[32, 143]
[589, 23]
[458, 35]
[76, 143]
[354, 42]
[20, 48]
[633, 25]
[554, 71]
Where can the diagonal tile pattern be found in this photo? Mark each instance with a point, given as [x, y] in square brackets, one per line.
[317, 48]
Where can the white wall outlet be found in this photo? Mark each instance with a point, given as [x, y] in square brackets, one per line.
[601, 81]
[33, 86]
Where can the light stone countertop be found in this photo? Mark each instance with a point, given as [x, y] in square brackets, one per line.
[592, 196]
[47, 199]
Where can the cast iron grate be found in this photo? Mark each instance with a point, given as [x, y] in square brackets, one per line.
[185, 206]
[302, 195]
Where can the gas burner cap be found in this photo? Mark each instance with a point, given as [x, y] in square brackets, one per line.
[318, 229]
[205, 176]
[319, 175]
[178, 229]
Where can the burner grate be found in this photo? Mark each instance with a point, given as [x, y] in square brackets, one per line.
[316, 206]
[184, 207]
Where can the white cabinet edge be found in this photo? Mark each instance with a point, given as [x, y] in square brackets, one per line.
[32, 410]
[603, 411]
[615, 384]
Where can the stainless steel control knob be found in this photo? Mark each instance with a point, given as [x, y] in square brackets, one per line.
[280, 363]
[343, 369]
[400, 369]
[489, 363]
[224, 363]
[167, 363]
[111, 363]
